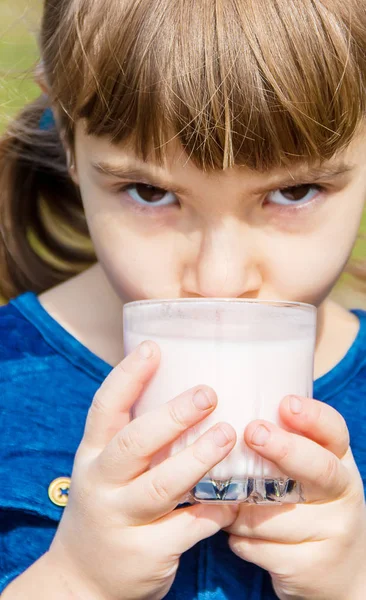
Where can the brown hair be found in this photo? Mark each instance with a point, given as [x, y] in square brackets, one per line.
[263, 84]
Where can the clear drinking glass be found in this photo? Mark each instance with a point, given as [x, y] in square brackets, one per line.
[252, 353]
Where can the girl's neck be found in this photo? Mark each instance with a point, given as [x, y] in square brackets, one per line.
[89, 309]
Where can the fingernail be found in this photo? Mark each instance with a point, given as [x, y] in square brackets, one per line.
[260, 436]
[201, 400]
[222, 436]
[145, 350]
[295, 405]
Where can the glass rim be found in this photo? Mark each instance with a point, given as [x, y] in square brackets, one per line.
[222, 301]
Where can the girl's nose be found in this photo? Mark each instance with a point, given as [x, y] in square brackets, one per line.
[224, 263]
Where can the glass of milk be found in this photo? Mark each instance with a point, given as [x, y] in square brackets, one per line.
[252, 353]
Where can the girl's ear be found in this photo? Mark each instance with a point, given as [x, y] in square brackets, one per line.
[40, 78]
[71, 166]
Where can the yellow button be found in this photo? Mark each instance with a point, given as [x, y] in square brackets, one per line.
[58, 492]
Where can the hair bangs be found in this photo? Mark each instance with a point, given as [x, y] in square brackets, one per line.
[234, 82]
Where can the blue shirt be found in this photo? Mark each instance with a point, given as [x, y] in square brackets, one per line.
[47, 382]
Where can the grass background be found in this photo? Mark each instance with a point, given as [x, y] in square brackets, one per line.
[19, 25]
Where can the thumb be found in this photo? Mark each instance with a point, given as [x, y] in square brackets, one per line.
[185, 527]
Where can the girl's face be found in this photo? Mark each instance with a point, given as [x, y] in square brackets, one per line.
[179, 232]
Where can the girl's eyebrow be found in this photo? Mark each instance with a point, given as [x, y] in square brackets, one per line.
[143, 174]
[139, 174]
[315, 174]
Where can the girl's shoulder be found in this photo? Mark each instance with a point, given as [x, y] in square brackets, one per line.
[44, 401]
[40, 374]
[351, 368]
[20, 341]
[31, 339]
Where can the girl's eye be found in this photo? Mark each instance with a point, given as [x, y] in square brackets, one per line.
[148, 194]
[298, 194]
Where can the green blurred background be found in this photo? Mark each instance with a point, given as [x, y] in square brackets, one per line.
[19, 25]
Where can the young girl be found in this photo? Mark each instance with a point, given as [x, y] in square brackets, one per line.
[211, 149]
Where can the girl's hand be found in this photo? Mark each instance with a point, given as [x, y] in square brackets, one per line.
[119, 537]
[315, 550]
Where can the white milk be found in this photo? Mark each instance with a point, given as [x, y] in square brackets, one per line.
[249, 377]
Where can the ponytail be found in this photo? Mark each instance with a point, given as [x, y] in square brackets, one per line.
[43, 233]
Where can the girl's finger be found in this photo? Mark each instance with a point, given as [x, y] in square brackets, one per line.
[322, 473]
[130, 452]
[278, 559]
[159, 491]
[289, 523]
[109, 411]
[317, 421]
[183, 528]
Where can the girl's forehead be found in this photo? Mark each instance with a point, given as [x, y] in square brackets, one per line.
[121, 161]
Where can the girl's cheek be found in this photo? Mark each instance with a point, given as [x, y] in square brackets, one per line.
[302, 272]
[141, 267]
